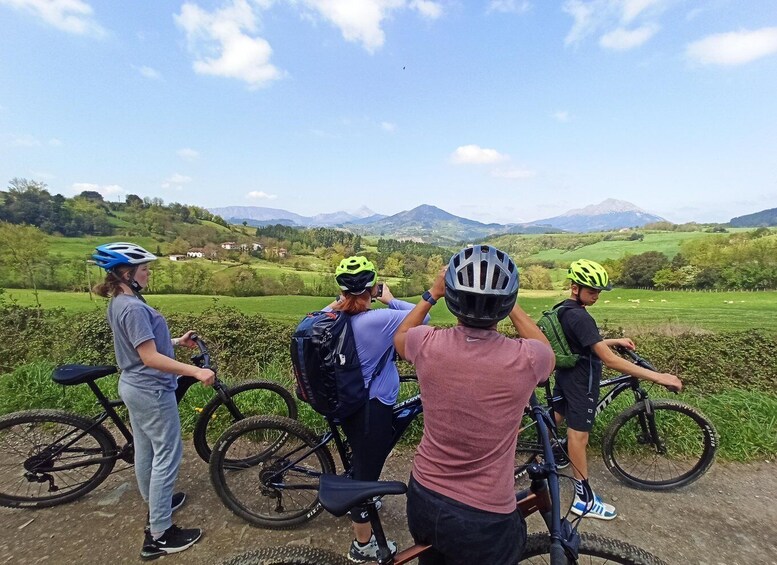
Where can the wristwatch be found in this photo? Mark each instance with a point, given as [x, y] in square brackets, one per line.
[428, 297]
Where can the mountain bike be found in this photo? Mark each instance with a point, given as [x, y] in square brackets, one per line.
[562, 544]
[50, 457]
[657, 444]
[265, 469]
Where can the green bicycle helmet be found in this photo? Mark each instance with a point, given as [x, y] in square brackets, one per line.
[356, 274]
[590, 274]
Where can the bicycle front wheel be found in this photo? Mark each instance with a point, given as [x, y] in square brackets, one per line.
[669, 447]
[288, 556]
[593, 549]
[265, 469]
[49, 457]
[253, 398]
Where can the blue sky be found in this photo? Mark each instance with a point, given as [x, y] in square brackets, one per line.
[500, 110]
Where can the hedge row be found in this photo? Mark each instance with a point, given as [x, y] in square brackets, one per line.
[243, 344]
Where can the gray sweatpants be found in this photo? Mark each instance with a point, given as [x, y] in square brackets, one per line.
[156, 428]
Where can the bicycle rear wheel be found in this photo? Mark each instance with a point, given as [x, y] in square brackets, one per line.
[49, 457]
[593, 549]
[265, 469]
[253, 398]
[288, 556]
[681, 451]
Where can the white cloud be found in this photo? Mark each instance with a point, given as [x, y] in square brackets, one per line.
[388, 126]
[614, 20]
[622, 39]
[633, 8]
[223, 45]
[26, 141]
[513, 173]
[561, 116]
[188, 153]
[54, 142]
[104, 189]
[148, 72]
[426, 8]
[509, 6]
[734, 48]
[176, 181]
[360, 20]
[259, 195]
[475, 155]
[72, 16]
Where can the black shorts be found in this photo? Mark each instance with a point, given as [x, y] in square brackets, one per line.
[460, 534]
[369, 432]
[578, 406]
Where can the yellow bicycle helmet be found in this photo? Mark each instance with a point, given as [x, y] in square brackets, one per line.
[356, 274]
[590, 274]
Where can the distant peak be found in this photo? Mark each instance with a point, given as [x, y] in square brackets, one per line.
[363, 212]
[608, 206]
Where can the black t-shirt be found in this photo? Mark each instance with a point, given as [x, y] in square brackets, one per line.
[581, 333]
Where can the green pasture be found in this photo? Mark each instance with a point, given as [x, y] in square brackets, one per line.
[82, 247]
[632, 310]
[667, 243]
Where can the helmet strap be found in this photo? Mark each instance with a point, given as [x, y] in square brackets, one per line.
[133, 284]
[577, 295]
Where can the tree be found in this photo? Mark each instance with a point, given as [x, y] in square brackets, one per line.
[25, 248]
[536, 278]
[639, 270]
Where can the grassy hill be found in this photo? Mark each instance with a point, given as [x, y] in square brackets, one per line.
[632, 310]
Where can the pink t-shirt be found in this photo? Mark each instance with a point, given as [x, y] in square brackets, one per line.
[474, 385]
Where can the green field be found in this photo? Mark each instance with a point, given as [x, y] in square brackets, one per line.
[667, 243]
[667, 310]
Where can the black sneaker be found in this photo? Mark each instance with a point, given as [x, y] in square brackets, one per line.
[175, 503]
[174, 539]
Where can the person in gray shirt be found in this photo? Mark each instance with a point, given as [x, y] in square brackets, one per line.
[149, 372]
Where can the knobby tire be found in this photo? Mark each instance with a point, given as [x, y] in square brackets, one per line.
[289, 555]
[252, 472]
[593, 549]
[689, 438]
[215, 418]
[25, 436]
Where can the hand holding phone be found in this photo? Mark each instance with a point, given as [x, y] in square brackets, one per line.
[380, 290]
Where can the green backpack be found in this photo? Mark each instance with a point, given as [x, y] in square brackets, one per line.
[550, 325]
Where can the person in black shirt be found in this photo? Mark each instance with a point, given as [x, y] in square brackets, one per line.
[579, 385]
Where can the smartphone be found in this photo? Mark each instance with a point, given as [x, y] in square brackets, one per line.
[380, 289]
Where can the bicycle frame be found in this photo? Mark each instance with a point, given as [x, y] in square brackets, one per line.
[127, 451]
[404, 413]
[109, 412]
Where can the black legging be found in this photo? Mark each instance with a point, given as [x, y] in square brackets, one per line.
[369, 433]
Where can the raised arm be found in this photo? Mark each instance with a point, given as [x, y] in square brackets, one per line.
[417, 314]
[525, 326]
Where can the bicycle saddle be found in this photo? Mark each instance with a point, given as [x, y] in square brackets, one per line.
[77, 374]
[339, 494]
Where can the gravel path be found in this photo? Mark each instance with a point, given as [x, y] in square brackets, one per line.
[728, 517]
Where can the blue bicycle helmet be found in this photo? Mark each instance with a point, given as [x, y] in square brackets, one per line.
[481, 285]
[112, 255]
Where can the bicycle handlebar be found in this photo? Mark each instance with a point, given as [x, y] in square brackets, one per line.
[638, 360]
[202, 360]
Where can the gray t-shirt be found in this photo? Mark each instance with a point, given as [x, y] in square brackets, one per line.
[134, 322]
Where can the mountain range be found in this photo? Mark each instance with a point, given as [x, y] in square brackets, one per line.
[432, 225]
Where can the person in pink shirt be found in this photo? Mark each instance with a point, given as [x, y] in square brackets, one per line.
[475, 383]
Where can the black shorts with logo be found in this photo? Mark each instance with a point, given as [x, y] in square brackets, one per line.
[578, 405]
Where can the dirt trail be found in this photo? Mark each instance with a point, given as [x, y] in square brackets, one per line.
[728, 517]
